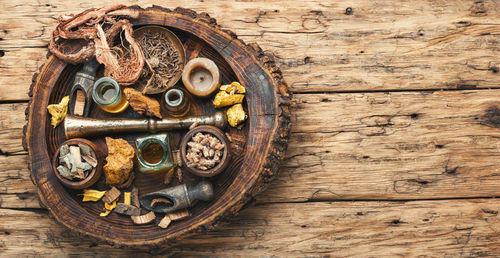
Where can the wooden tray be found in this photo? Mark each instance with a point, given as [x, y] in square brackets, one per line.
[257, 148]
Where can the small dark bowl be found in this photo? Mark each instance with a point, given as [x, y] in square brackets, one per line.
[226, 155]
[93, 176]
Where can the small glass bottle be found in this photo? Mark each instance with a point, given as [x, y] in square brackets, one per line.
[154, 154]
[176, 102]
[108, 95]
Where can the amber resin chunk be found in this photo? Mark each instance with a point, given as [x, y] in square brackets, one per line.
[142, 104]
[119, 161]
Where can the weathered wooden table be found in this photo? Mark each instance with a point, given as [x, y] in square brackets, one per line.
[395, 139]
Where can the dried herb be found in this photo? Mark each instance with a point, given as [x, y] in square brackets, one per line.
[165, 62]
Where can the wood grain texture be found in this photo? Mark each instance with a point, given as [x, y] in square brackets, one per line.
[266, 134]
[362, 152]
[430, 145]
[381, 45]
[452, 228]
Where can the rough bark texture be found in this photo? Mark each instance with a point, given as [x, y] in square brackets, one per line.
[388, 134]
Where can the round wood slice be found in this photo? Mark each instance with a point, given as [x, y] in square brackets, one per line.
[257, 148]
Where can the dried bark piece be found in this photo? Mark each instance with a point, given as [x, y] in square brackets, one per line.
[84, 149]
[91, 160]
[179, 215]
[144, 219]
[84, 166]
[64, 172]
[111, 195]
[119, 161]
[134, 197]
[64, 150]
[127, 209]
[142, 104]
[75, 152]
[165, 222]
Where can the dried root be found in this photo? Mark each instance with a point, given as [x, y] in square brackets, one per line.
[95, 30]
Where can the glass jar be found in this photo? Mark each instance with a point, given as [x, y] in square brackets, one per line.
[176, 102]
[108, 95]
[154, 154]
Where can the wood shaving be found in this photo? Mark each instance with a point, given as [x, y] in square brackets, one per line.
[160, 200]
[111, 195]
[165, 222]
[144, 219]
[125, 209]
[134, 197]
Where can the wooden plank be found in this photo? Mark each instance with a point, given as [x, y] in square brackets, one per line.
[370, 146]
[448, 228]
[381, 45]
[12, 120]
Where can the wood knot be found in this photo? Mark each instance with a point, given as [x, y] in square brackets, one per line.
[491, 117]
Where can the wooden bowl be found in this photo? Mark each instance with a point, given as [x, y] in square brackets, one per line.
[93, 176]
[257, 149]
[226, 155]
[176, 44]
